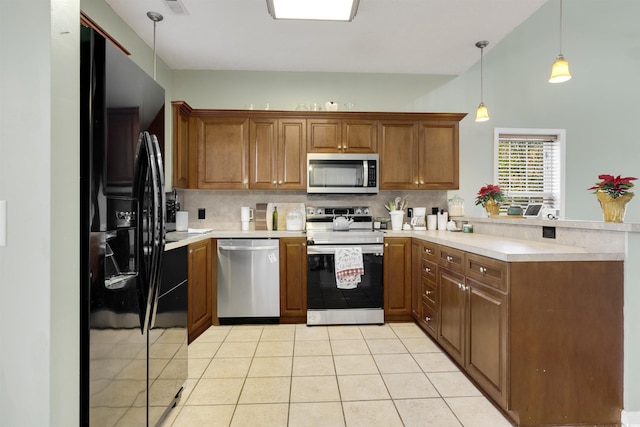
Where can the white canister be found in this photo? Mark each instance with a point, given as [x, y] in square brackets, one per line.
[396, 219]
[432, 222]
[443, 218]
[182, 221]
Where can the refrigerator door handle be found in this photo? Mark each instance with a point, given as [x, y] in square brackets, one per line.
[160, 229]
[148, 191]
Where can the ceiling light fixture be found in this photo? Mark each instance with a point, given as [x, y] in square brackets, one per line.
[155, 17]
[560, 69]
[322, 10]
[482, 114]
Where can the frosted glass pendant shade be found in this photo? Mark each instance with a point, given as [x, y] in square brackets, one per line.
[560, 70]
[482, 114]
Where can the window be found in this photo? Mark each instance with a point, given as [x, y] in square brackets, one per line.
[530, 166]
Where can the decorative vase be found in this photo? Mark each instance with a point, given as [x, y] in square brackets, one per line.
[492, 207]
[613, 209]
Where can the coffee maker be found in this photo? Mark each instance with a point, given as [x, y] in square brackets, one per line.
[418, 221]
[173, 206]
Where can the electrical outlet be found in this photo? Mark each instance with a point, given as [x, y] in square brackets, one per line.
[201, 213]
[549, 232]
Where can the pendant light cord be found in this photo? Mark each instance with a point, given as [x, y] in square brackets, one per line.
[560, 27]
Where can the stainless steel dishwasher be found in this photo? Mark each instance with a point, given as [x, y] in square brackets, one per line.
[248, 281]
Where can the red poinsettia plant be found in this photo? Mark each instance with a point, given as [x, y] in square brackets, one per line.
[614, 186]
[489, 192]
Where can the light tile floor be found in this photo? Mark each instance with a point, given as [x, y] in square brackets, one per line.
[299, 376]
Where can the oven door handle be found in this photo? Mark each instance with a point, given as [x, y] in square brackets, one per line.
[329, 249]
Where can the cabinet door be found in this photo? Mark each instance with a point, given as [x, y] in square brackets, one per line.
[359, 136]
[201, 287]
[452, 313]
[398, 142]
[180, 145]
[324, 135]
[486, 349]
[438, 156]
[397, 278]
[292, 154]
[416, 279]
[223, 153]
[263, 148]
[293, 280]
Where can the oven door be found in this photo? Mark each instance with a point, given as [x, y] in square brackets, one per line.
[327, 304]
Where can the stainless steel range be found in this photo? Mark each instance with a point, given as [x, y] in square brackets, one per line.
[344, 267]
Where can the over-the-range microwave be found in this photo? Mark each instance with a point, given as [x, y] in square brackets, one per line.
[329, 173]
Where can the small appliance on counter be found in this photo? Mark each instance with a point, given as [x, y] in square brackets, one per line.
[173, 206]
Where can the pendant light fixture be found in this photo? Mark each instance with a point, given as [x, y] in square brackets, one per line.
[482, 114]
[155, 17]
[560, 69]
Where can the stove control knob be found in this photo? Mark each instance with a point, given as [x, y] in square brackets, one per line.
[366, 211]
[358, 211]
[319, 211]
[310, 242]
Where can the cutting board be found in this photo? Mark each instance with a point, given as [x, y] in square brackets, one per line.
[283, 210]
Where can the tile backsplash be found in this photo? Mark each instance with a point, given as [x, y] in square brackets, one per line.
[222, 207]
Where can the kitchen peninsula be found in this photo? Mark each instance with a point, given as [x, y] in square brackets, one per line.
[537, 326]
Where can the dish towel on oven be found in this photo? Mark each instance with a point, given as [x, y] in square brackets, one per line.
[349, 267]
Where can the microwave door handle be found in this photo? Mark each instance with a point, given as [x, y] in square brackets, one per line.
[364, 176]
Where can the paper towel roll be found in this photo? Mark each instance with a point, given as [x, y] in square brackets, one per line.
[182, 221]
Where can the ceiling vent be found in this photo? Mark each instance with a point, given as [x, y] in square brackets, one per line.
[176, 6]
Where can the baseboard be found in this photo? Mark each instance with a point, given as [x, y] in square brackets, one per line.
[630, 418]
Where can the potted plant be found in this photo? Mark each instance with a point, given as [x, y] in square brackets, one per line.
[490, 196]
[613, 194]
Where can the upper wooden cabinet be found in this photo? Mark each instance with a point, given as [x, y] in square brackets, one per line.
[277, 154]
[255, 149]
[419, 155]
[181, 163]
[223, 152]
[342, 136]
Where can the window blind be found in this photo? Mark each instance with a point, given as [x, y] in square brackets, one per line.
[529, 169]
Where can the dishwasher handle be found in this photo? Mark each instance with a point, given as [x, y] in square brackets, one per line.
[248, 248]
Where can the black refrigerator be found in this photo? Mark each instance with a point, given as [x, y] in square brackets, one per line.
[133, 339]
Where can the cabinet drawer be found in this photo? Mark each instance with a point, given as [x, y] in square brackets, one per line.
[429, 251]
[451, 258]
[429, 319]
[488, 271]
[429, 270]
[430, 292]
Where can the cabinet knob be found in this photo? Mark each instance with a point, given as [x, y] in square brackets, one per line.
[421, 181]
[427, 269]
[427, 319]
[483, 270]
[449, 258]
[427, 251]
[460, 286]
[274, 182]
[427, 293]
[280, 182]
[416, 182]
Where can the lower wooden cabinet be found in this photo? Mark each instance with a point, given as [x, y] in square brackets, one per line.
[544, 340]
[452, 313]
[397, 279]
[293, 280]
[202, 287]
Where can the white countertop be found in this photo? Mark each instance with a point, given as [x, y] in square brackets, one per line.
[505, 249]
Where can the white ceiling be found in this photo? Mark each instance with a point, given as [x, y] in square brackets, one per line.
[386, 36]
